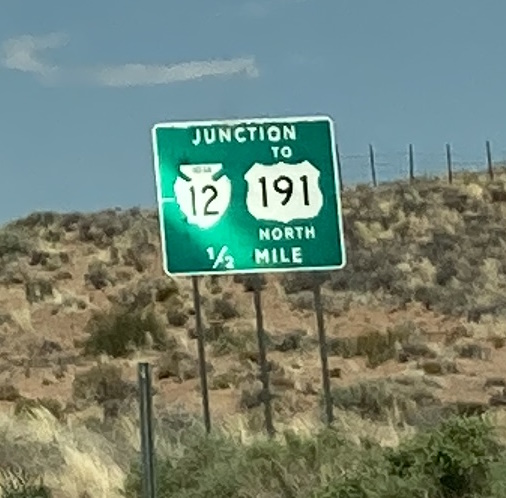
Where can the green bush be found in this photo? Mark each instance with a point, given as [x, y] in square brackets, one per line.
[456, 459]
[207, 466]
[14, 242]
[452, 460]
[119, 330]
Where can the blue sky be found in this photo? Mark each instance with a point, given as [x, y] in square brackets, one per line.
[76, 113]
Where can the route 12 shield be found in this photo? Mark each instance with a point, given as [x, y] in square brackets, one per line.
[201, 196]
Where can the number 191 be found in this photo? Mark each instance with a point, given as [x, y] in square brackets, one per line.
[284, 185]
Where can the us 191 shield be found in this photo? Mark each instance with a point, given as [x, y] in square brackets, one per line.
[283, 192]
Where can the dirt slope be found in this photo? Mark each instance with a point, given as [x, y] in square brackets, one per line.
[422, 299]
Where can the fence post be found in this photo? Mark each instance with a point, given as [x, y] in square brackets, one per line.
[146, 416]
[411, 164]
[449, 163]
[489, 160]
[373, 166]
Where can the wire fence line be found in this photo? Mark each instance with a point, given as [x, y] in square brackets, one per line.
[373, 167]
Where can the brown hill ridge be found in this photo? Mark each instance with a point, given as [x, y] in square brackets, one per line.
[420, 311]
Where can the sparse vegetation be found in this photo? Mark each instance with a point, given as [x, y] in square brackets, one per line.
[422, 296]
[228, 341]
[121, 330]
[27, 406]
[14, 243]
[104, 385]
[98, 275]
[9, 392]
[463, 454]
[378, 399]
[21, 485]
[38, 289]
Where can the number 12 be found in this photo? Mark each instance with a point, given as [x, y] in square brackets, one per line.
[214, 194]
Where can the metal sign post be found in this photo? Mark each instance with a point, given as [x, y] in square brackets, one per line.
[146, 415]
[202, 354]
[256, 195]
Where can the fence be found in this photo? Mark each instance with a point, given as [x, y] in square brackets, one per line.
[374, 167]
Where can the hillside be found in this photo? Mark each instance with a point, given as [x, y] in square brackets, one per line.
[416, 322]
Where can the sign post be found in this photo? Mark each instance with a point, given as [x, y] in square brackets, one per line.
[248, 196]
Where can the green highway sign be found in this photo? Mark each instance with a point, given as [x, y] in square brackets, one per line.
[248, 196]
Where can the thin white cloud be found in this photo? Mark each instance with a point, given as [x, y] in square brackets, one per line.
[144, 75]
[24, 53]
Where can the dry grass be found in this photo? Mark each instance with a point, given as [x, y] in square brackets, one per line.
[73, 458]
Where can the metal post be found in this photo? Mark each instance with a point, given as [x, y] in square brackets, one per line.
[264, 369]
[323, 353]
[339, 168]
[373, 166]
[201, 353]
[411, 163]
[489, 160]
[449, 163]
[146, 414]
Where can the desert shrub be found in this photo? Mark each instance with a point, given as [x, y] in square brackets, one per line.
[131, 298]
[101, 228]
[14, 243]
[9, 392]
[376, 399]
[177, 315]
[140, 248]
[21, 485]
[179, 364]
[250, 282]
[224, 380]
[38, 290]
[161, 289]
[377, 347]
[39, 219]
[306, 281]
[230, 341]
[225, 309]
[177, 424]
[455, 458]
[98, 275]
[102, 384]
[290, 341]
[117, 331]
[53, 406]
